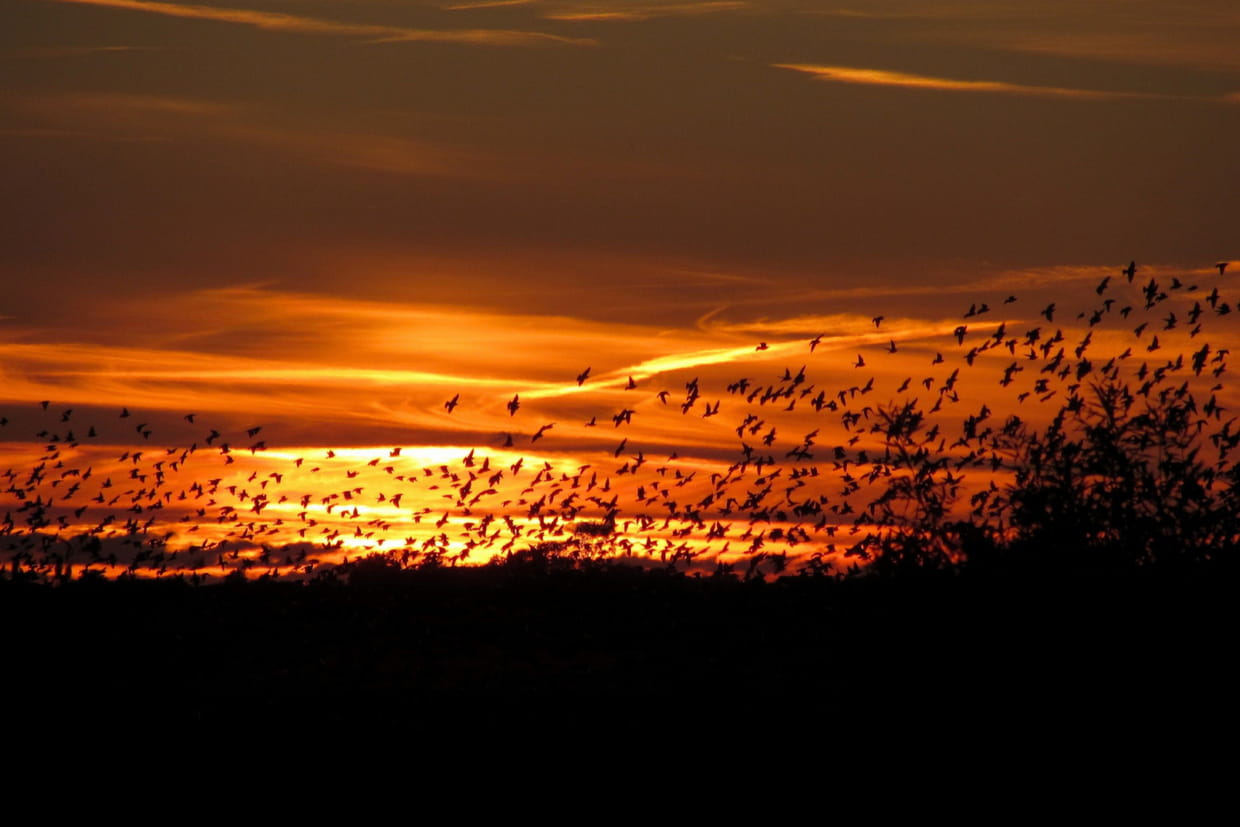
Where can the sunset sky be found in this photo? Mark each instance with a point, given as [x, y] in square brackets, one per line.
[327, 218]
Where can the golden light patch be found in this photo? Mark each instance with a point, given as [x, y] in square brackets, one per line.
[882, 77]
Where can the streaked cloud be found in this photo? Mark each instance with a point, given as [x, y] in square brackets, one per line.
[637, 12]
[1196, 33]
[38, 132]
[132, 117]
[262, 350]
[380, 153]
[1170, 44]
[486, 4]
[118, 104]
[49, 52]
[882, 77]
[298, 24]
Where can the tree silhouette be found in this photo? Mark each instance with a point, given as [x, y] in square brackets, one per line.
[1120, 480]
[911, 518]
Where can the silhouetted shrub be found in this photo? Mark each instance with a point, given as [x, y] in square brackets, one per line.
[373, 570]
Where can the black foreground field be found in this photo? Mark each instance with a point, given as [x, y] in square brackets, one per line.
[624, 634]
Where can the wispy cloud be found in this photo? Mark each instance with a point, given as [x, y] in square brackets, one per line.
[1196, 46]
[78, 134]
[486, 4]
[627, 13]
[262, 351]
[49, 52]
[129, 117]
[1200, 34]
[881, 77]
[380, 153]
[120, 103]
[299, 24]
[936, 10]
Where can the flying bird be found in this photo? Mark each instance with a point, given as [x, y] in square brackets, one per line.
[514, 404]
[581, 377]
[451, 404]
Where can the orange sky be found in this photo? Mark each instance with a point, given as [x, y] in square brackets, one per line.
[328, 219]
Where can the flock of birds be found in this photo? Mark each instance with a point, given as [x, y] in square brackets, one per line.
[228, 502]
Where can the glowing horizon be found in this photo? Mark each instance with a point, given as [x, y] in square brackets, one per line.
[673, 461]
[632, 236]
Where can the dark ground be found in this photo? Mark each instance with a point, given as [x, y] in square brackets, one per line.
[625, 639]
